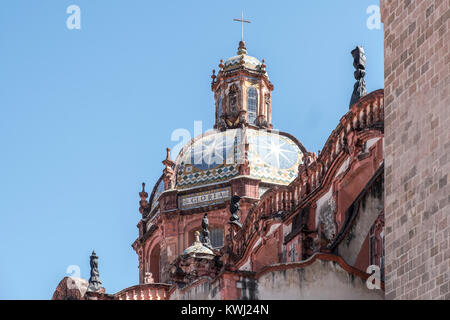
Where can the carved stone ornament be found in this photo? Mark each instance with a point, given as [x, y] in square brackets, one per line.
[234, 209]
[94, 280]
[359, 63]
[205, 232]
[326, 219]
[233, 100]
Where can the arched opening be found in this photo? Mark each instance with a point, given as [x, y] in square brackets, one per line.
[216, 235]
[155, 256]
[252, 105]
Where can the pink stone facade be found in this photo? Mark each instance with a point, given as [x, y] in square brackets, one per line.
[310, 224]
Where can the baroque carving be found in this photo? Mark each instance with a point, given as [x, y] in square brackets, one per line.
[94, 280]
[359, 63]
[326, 219]
[233, 100]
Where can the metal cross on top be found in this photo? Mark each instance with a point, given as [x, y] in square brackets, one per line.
[242, 24]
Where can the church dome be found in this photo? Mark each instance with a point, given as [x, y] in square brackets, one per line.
[248, 61]
[242, 59]
[273, 157]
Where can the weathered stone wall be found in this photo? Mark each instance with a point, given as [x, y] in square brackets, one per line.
[370, 206]
[417, 144]
[70, 288]
[201, 290]
[320, 280]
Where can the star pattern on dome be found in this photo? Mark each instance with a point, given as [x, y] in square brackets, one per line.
[277, 152]
[215, 158]
[211, 152]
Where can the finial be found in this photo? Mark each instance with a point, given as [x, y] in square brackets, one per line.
[213, 77]
[144, 206]
[168, 162]
[242, 62]
[359, 62]
[242, 49]
[168, 172]
[221, 64]
[263, 64]
[94, 280]
[168, 154]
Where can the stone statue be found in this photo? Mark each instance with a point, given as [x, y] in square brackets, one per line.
[148, 278]
[359, 63]
[234, 209]
[205, 232]
[94, 280]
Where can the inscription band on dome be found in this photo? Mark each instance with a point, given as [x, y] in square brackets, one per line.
[205, 198]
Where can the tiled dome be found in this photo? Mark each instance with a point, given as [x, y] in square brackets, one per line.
[242, 59]
[248, 62]
[213, 158]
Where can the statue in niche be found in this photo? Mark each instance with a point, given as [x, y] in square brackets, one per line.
[267, 101]
[205, 232]
[233, 96]
[232, 118]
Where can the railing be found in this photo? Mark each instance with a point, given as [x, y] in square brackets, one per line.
[151, 291]
[367, 113]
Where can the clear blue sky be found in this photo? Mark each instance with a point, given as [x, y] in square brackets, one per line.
[86, 115]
